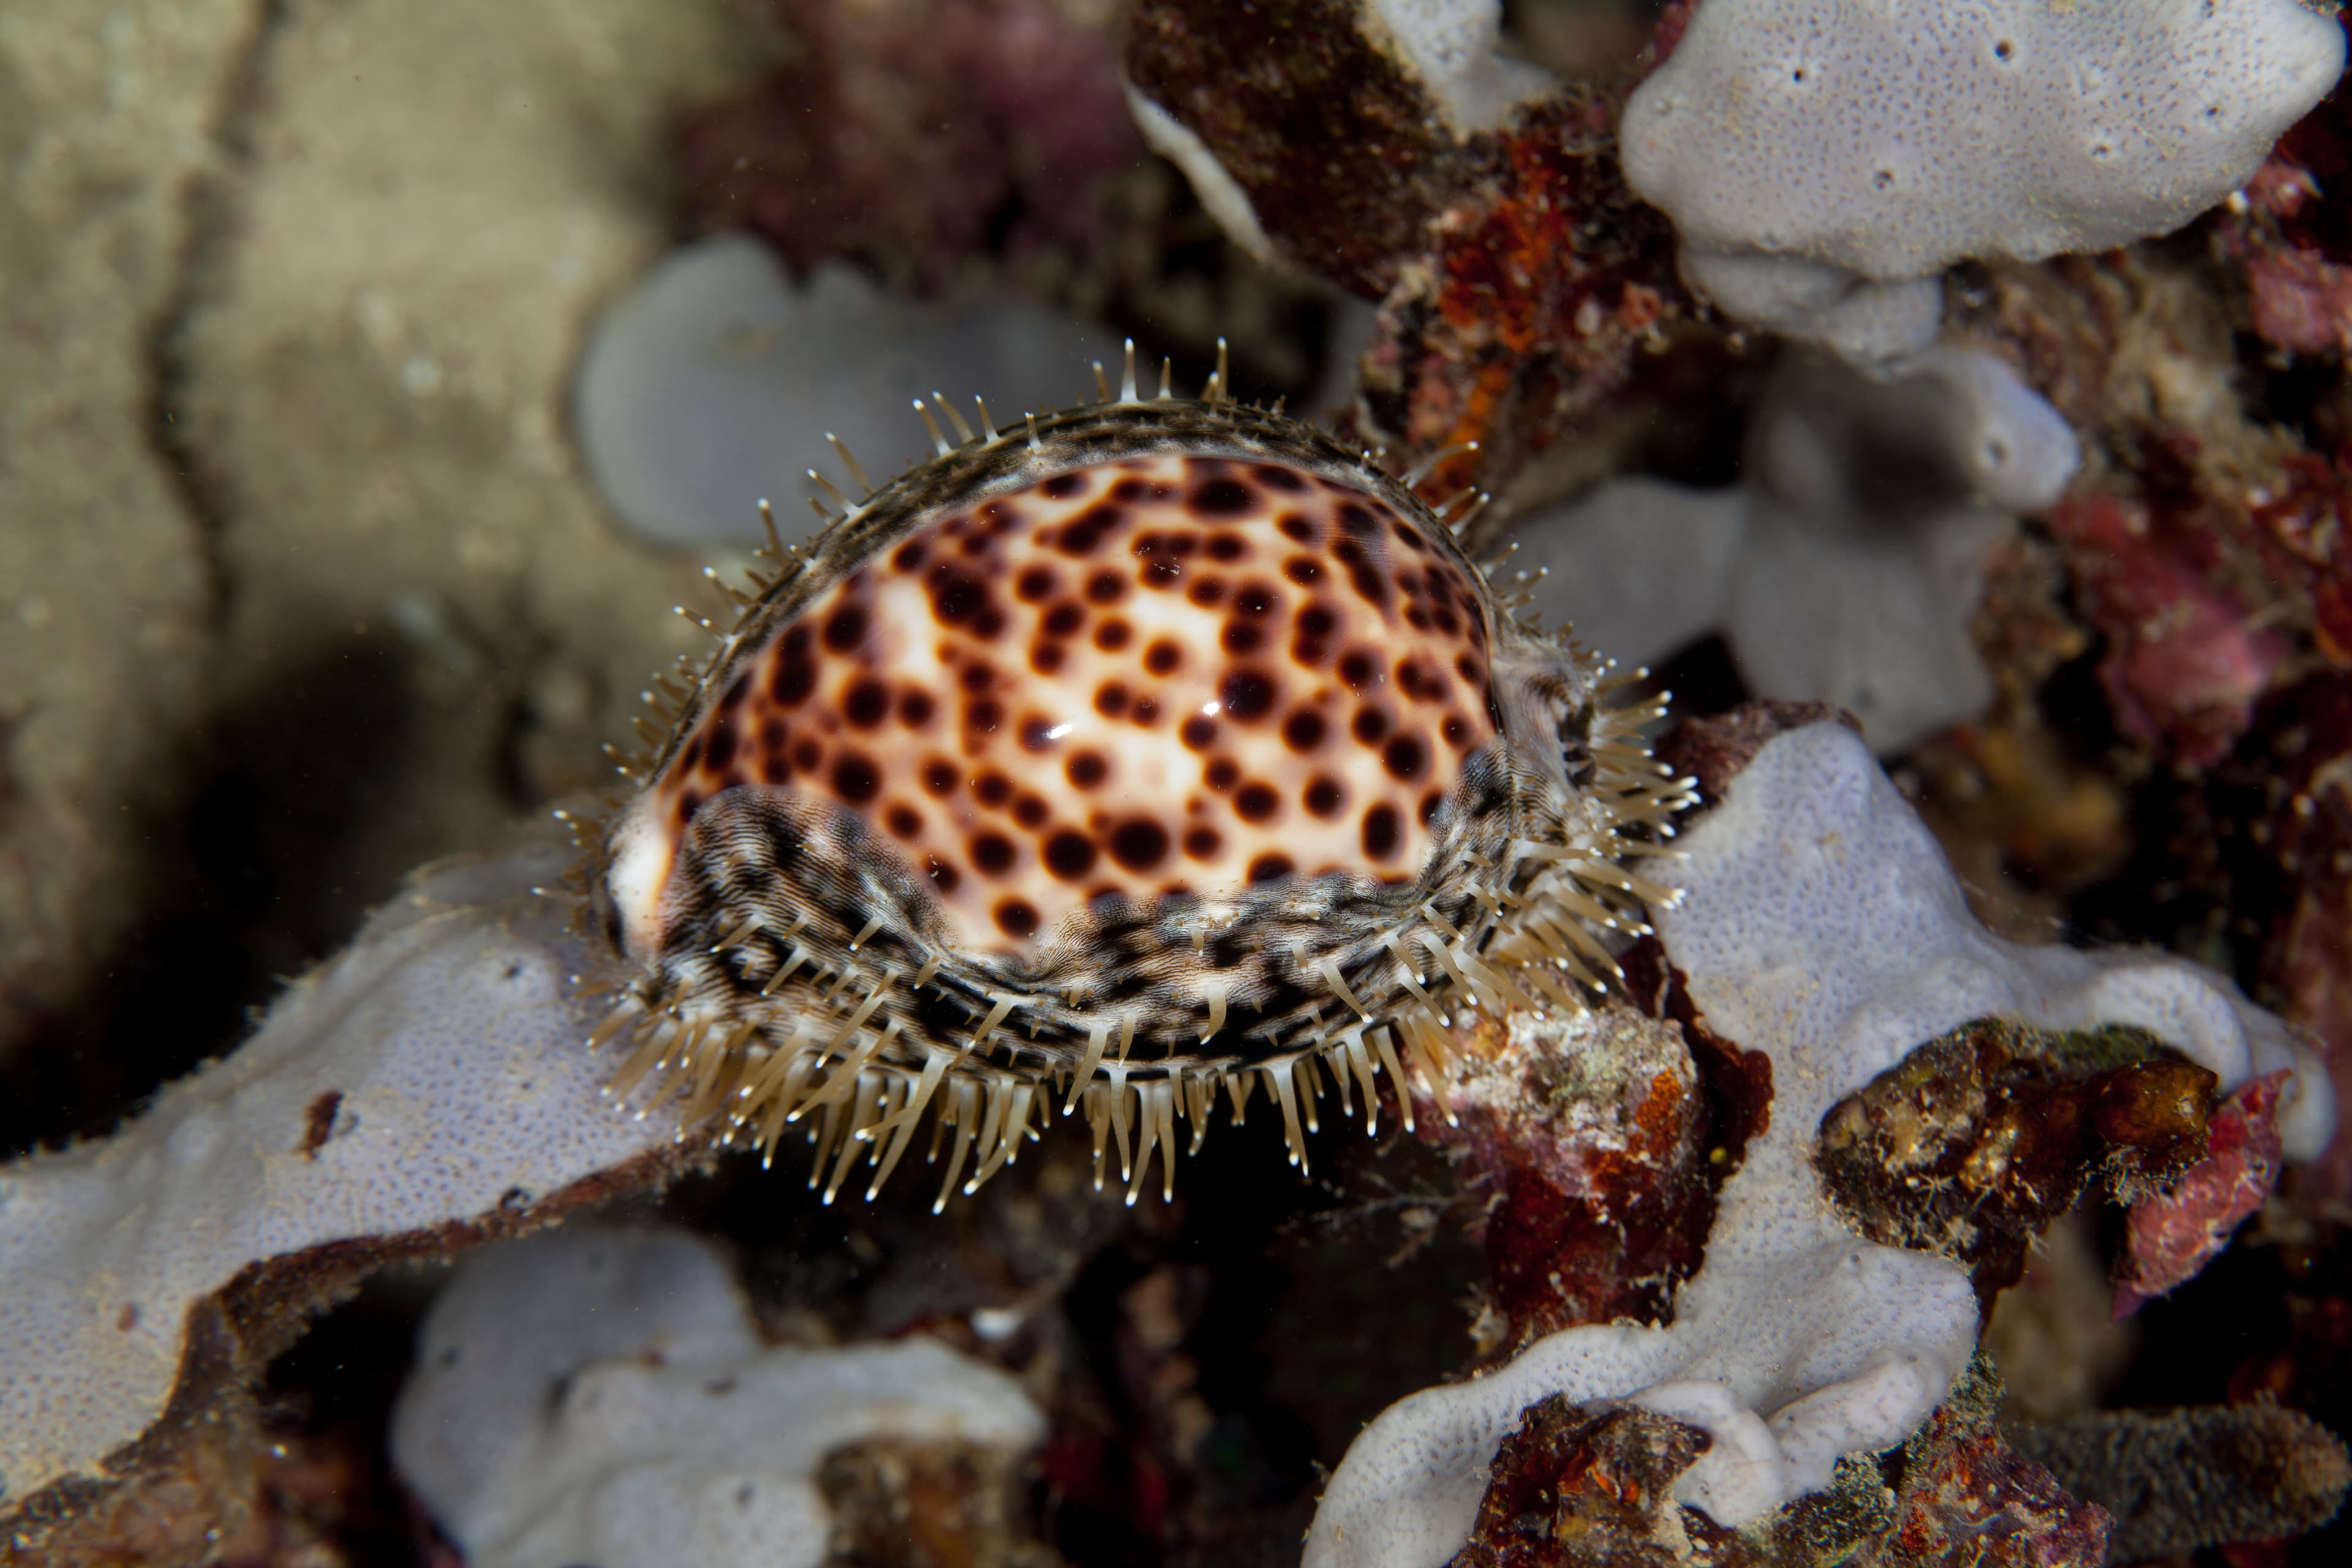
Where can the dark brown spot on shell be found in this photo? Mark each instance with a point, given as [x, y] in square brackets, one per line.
[1035, 584]
[1139, 844]
[1256, 802]
[866, 704]
[1069, 856]
[1017, 918]
[1247, 695]
[1162, 657]
[794, 681]
[855, 778]
[1382, 832]
[1222, 497]
[992, 853]
[845, 628]
[1324, 798]
[1405, 757]
[1088, 770]
[1270, 867]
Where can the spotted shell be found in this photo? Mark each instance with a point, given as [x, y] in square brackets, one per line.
[1112, 758]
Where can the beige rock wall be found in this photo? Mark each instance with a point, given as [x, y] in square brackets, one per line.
[106, 600]
[429, 624]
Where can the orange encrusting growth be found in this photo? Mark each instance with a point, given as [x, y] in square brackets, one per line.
[1159, 675]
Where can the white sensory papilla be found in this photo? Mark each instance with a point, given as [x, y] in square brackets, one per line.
[1820, 157]
[1821, 925]
[594, 1395]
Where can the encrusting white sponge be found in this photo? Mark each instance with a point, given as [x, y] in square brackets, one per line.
[593, 1395]
[1820, 925]
[1816, 154]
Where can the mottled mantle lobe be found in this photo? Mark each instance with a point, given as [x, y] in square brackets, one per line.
[1975, 1142]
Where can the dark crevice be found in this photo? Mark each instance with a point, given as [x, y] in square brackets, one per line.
[212, 210]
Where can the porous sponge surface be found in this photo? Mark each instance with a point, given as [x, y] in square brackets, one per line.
[1893, 137]
[433, 1072]
[1821, 925]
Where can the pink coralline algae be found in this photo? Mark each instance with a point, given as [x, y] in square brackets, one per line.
[914, 134]
[2293, 238]
[2172, 1237]
[2310, 833]
[2185, 662]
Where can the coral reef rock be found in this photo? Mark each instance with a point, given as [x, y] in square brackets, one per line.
[424, 1088]
[2181, 1479]
[1820, 925]
[690, 379]
[1339, 180]
[1973, 1144]
[1845, 568]
[604, 1396]
[1824, 160]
